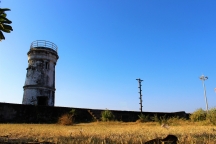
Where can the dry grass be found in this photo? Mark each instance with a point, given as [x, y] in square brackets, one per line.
[108, 132]
[66, 119]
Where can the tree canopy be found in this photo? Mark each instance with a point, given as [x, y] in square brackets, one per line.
[4, 23]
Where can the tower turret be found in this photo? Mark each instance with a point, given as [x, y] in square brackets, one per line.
[39, 88]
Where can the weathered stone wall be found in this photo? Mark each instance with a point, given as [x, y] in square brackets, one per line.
[18, 113]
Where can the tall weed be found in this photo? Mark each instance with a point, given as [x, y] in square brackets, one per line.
[174, 121]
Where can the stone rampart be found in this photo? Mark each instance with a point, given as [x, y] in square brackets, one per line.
[18, 113]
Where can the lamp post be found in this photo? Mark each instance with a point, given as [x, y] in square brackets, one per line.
[203, 78]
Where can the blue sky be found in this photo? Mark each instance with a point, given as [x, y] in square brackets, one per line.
[104, 46]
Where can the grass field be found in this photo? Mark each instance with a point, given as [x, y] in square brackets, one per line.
[108, 132]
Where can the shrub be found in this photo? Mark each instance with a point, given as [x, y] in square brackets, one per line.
[107, 115]
[160, 120]
[211, 116]
[67, 119]
[163, 120]
[198, 115]
[155, 118]
[143, 118]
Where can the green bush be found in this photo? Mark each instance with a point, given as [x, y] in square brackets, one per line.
[155, 118]
[143, 118]
[107, 115]
[160, 120]
[211, 116]
[198, 115]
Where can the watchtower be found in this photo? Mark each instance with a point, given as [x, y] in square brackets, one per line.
[39, 88]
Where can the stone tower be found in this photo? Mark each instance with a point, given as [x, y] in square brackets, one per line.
[39, 88]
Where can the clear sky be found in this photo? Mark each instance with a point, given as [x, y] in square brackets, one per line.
[105, 45]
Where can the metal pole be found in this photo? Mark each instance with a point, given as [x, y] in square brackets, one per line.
[203, 78]
[205, 96]
[140, 92]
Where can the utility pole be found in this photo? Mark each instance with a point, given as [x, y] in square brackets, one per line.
[203, 78]
[140, 92]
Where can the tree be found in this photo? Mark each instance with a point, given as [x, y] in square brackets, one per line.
[4, 23]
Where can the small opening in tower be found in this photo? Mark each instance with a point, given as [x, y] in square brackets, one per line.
[47, 65]
[42, 100]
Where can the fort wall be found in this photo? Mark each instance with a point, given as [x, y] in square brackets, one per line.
[19, 113]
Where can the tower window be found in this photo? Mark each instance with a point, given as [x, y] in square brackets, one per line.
[47, 65]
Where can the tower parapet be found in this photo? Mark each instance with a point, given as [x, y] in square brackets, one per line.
[39, 88]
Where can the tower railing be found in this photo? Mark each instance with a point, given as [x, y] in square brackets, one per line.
[43, 43]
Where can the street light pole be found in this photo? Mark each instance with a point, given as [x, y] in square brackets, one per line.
[203, 78]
